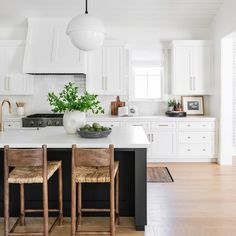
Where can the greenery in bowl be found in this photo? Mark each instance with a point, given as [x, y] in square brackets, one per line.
[95, 127]
[69, 100]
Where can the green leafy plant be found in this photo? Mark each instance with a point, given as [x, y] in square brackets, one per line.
[70, 100]
[172, 103]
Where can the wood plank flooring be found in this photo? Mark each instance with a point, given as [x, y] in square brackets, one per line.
[201, 202]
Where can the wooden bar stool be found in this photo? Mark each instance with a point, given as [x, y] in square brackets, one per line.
[30, 166]
[94, 166]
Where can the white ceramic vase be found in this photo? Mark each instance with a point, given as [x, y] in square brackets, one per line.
[72, 120]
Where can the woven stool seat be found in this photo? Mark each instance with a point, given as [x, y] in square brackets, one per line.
[34, 174]
[94, 174]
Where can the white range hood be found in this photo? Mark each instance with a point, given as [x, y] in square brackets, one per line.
[49, 50]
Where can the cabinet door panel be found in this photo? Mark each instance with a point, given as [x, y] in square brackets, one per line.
[138, 123]
[196, 149]
[163, 143]
[108, 123]
[201, 68]
[106, 71]
[95, 82]
[195, 137]
[3, 80]
[114, 69]
[197, 125]
[182, 81]
[15, 76]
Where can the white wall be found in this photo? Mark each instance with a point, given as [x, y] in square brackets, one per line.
[224, 24]
[137, 36]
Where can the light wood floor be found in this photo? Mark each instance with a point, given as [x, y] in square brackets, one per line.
[201, 202]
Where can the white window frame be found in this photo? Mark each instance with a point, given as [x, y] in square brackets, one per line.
[132, 82]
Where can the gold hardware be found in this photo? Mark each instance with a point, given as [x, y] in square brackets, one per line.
[1, 113]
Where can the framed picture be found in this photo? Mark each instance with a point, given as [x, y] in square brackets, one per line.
[193, 105]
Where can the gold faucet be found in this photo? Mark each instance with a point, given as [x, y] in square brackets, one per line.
[1, 113]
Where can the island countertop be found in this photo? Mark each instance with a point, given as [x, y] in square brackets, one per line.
[56, 137]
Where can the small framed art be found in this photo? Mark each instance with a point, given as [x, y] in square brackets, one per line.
[193, 105]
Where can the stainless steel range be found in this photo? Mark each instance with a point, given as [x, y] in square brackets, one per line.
[43, 120]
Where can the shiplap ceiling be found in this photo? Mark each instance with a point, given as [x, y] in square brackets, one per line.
[117, 13]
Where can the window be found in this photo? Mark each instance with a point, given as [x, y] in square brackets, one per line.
[147, 82]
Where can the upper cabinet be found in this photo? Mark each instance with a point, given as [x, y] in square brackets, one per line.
[12, 79]
[192, 63]
[107, 70]
[49, 49]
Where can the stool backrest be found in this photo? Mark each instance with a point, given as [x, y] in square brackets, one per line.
[25, 157]
[92, 157]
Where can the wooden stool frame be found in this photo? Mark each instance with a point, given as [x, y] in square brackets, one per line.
[94, 158]
[29, 158]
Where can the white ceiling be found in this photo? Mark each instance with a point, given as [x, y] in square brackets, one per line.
[117, 13]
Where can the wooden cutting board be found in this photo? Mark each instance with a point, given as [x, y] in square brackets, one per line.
[115, 105]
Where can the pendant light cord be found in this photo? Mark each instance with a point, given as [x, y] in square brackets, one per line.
[86, 6]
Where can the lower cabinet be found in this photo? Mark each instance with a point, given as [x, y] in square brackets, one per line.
[173, 140]
[196, 149]
[109, 124]
[12, 124]
[179, 140]
[163, 143]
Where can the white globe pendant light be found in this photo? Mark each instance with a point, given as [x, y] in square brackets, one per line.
[86, 32]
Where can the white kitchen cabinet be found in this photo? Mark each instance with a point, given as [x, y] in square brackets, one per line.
[162, 139]
[106, 74]
[192, 67]
[12, 122]
[190, 139]
[12, 79]
[108, 123]
[196, 138]
[49, 49]
[8, 125]
[199, 150]
[163, 143]
[196, 126]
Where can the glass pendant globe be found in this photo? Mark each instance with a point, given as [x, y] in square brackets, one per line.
[86, 32]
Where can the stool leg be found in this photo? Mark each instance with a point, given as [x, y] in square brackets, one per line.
[117, 198]
[6, 207]
[73, 206]
[22, 205]
[112, 207]
[45, 207]
[60, 197]
[79, 203]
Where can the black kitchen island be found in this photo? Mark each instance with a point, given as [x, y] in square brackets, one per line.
[130, 150]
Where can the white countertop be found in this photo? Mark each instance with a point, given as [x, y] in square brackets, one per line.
[56, 137]
[134, 118]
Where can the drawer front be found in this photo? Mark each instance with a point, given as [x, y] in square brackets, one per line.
[138, 123]
[163, 125]
[198, 137]
[12, 125]
[197, 125]
[196, 149]
[108, 123]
